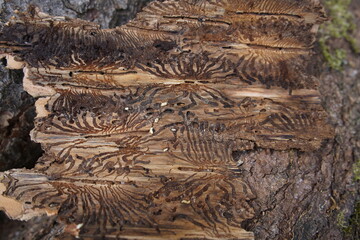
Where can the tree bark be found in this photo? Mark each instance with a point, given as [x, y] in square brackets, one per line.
[298, 178]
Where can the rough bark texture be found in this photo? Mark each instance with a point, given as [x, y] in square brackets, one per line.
[299, 195]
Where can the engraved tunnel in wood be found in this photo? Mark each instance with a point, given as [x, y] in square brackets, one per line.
[142, 124]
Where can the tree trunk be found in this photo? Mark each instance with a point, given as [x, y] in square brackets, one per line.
[176, 125]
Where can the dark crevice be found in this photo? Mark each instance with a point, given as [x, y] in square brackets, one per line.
[199, 19]
[3, 62]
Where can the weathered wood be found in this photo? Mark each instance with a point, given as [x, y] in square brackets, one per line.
[142, 125]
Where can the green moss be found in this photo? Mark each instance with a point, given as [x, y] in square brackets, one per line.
[334, 57]
[352, 229]
[340, 220]
[340, 26]
[356, 170]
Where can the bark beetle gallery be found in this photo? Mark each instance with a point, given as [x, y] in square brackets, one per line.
[142, 124]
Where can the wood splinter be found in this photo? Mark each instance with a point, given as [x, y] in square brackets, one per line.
[141, 124]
